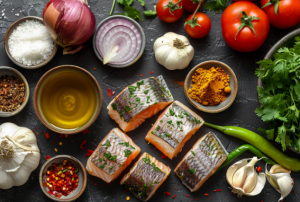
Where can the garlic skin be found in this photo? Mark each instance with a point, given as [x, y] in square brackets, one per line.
[280, 179]
[16, 166]
[243, 178]
[173, 51]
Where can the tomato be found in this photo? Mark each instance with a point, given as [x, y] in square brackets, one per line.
[191, 5]
[288, 13]
[171, 13]
[198, 31]
[246, 40]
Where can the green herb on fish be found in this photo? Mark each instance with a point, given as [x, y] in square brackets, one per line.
[155, 167]
[147, 159]
[127, 153]
[158, 127]
[167, 135]
[148, 97]
[146, 92]
[110, 157]
[107, 143]
[192, 171]
[193, 153]
[127, 108]
[114, 106]
[171, 111]
[138, 84]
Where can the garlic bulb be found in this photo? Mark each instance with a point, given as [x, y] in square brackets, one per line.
[173, 51]
[280, 178]
[19, 155]
[243, 178]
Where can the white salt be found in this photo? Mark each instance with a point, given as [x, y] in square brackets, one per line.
[30, 43]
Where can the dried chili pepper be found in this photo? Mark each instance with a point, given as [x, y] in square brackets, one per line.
[206, 194]
[47, 157]
[163, 156]
[47, 135]
[175, 188]
[167, 193]
[86, 131]
[187, 195]
[61, 136]
[173, 196]
[141, 75]
[258, 169]
[217, 190]
[89, 152]
[82, 143]
[109, 92]
[151, 72]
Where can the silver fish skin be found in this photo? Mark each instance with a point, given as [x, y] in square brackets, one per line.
[112, 154]
[202, 160]
[144, 179]
[175, 125]
[140, 96]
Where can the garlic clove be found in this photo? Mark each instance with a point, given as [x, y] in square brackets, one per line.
[285, 186]
[239, 177]
[250, 183]
[230, 172]
[279, 169]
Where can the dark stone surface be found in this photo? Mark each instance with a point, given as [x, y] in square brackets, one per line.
[212, 47]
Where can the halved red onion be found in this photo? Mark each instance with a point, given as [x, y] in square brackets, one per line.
[118, 41]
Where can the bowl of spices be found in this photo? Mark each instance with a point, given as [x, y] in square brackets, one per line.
[28, 43]
[63, 178]
[119, 41]
[211, 86]
[67, 99]
[14, 91]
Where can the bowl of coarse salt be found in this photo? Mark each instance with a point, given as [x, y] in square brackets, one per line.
[28, 43]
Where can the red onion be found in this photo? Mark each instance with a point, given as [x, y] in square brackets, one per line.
[118, 41]
[70, 23]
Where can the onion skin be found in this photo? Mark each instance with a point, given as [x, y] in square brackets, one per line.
[70, 23]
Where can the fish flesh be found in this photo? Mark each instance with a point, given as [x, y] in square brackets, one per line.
[173, 128]
[139, 101]
[202, 161]
[113, 154]
[145, 177]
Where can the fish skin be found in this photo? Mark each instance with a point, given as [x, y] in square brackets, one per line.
[142, 99]
[113, 168]
[151, 173]
[206, 156]
[173, 128]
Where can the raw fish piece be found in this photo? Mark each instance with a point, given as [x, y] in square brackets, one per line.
[114, 153]
[145, 177]
[173, 128]
[139, 101]
[202, 161]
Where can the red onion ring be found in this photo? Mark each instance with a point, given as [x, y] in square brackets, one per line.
[120, 39]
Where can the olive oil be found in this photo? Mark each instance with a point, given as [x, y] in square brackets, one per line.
[68, 100]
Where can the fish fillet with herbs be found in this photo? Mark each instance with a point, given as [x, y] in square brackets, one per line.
[145, 177]
[202, 161]
[113, 154]
[139, 101]
[173, 129]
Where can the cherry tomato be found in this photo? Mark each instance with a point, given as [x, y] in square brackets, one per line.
[288, 13]
[191, 5]
[171, 13]
[247, 39]
[200, 30]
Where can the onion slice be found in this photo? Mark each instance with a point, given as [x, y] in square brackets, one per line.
[118, 41]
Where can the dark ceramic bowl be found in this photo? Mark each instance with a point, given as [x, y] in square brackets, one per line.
[39, 88]
[82, 177]
[9, 32]
[13, 72]
[137, 26]
[286, 41]
[233, 85]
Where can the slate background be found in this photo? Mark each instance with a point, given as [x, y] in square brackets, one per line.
[212, 47]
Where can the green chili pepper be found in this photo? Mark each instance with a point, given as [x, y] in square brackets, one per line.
[261, 144]
[240, 150]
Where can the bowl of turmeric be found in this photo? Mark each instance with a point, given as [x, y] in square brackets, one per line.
[211, 86]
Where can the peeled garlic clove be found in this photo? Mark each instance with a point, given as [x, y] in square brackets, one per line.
[230, 172]
[285, 186]
[250, 183]
[279, 169]
[239, 178]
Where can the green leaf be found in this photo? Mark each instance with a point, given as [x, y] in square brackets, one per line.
[192, 171]
[125, 2]
[150, 12]
[192, 22]
[216, 5]
[142, 2]
[132, 13]
[281, 138]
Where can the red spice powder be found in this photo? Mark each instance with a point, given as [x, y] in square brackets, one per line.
[167, 193]
[33, 131]
[155, 148]
[61, 136]
[108, 183]
[94, 68]
[191, 199]
[163, 156]
[86, 131]
[178, 184]
[196, 199]
[65, 142]
[37, 133]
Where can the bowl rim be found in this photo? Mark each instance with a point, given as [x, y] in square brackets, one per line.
[270, 54]
[15, 61]
[138, 26]
[38, 112]
[66, 157]
[9, 114]
[234, 91]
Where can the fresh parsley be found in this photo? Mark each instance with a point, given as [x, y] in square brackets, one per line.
[192, 171]
[127, 153]
[150, 12]
[107, 143]
[127, 108]
[216, 5]
[110, 157]
[147, 159]
[114, 106]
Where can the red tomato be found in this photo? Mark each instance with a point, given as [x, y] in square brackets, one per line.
[246, 40]
[167, 15]
[288, 13]
[198, 31]
[191, 5]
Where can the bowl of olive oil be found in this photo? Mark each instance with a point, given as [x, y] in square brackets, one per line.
[67, 99]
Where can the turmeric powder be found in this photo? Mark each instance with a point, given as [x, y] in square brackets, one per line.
[210, 86]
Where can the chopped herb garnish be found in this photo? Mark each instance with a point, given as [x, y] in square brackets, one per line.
[131, 89]
[107, 143]
[193, 153]
[192, 171]
[100, 160]
[138, 99]
[176, 140]
[146, 159]
[153, 132]
[138, 84]
[146, 91]
[180, 115]
[212, 147]
[163, 88]
[142, 179]
[178, 123]
[172, 113]
[132, 147]
[114, 106]
[127, 153]
[161, 121]
[186, 114]
[209, 154]
[197, 121]
[102, 166]
[111, 167]
[158, 127]
[155, 182]
[110, 157]
[148, 97]
[127, 108]
[121, 113]
[155, 167]
[167, 135]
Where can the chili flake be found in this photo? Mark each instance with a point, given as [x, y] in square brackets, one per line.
[217, 190]
[82, 143]
[86, 131]
[196, 199]
[187, 195]
[53, 142]
[125, 191]
[108, 183]
[163, 156]
[47, 135]
[173, 196]
[89, 153]
[258, 169]
[12, 93]
[62, 179]
[175, 188]
[167, 193]
[155, 148]
[151, 72]
[109, 92]
[113, 93]
[206, 194]
[191, 199]
[94, 68]
[141, 75]
[95, 184]
[37, 133]
[47, 157]
[61, 136]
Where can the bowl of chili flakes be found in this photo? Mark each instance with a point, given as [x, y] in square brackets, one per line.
[63, 178]
[14, 91]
